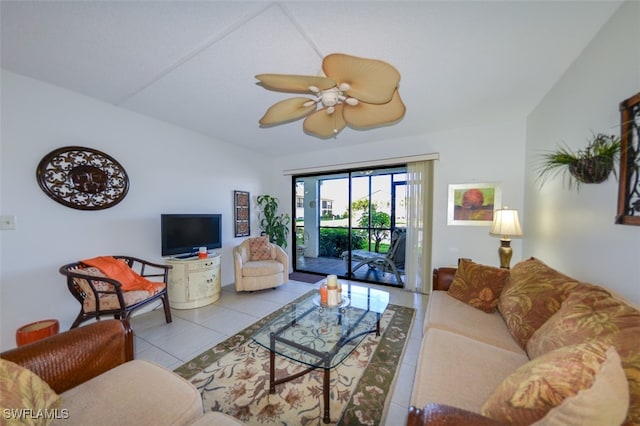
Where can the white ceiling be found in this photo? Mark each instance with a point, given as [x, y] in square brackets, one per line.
[193, 63]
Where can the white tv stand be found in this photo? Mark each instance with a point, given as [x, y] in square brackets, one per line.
[194, 282]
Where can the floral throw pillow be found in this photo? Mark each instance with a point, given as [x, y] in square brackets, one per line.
[20, 388]
[478, 285]
[591, 313]
[533, 292]
[575, 385]
[259, 248]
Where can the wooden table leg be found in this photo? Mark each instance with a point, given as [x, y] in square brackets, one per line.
[325, 391]
[272, 367]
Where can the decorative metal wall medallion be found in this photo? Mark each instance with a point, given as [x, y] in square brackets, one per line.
[82, 178]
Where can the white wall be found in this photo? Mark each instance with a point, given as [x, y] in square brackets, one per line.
[575, 231]
[170, 170]
[489, 153]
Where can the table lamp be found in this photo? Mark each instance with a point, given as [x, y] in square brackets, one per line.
[505, 224]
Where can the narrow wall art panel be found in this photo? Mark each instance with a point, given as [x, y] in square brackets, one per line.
[242, 213]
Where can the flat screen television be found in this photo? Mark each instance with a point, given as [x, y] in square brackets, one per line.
[183, 234]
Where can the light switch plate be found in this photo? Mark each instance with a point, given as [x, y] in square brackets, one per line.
[8, 222]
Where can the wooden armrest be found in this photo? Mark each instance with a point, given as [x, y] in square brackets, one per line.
[75, 356]
[140, 266]
[90, 277]
[443, 277]
[131, 260]
[441, 414]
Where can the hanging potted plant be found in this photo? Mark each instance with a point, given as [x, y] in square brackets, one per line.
[272, 224]
[593, 164]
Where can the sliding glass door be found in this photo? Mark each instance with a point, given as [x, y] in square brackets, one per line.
[352, 224]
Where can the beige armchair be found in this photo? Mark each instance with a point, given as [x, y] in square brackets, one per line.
[260, 264]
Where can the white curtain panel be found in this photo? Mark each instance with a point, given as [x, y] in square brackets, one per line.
[419, 204]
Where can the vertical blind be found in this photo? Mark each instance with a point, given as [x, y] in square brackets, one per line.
[419, 204]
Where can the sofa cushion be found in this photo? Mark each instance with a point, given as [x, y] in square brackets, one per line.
[591, 313]
[137, 393]
[261, 268]
[478, 285]
[533, 293]
[20, 388]
[260, 249]
[446, 313]
[459, 371]
[584, 382]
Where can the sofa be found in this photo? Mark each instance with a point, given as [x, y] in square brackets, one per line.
[259, 264]
[524, 346]
[87, 376]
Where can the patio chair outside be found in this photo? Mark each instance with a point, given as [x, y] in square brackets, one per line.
[392, 261]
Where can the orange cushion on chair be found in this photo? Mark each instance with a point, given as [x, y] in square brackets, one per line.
[120, 271]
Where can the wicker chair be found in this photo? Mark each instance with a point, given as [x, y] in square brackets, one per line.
[99, 295]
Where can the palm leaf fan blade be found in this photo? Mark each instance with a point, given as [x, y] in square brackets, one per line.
[294, 83]
[288, 110]
[371, 80]
[365, 115]
[323, 124]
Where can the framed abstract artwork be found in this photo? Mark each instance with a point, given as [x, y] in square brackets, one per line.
[242, 216]
[473, 204]
[629, 180]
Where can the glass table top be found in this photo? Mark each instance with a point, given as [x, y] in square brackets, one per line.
[320, 336]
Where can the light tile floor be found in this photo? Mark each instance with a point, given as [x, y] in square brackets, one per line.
[195, 330]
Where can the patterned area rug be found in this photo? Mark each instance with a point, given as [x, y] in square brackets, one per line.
[233, 377]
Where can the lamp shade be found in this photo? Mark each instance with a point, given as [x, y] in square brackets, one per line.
[505, 224]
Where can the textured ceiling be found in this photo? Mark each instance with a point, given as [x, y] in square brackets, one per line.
[193, 64]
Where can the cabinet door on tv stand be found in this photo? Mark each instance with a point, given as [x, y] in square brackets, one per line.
[194, 282]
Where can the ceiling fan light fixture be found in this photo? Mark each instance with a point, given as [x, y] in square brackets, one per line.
[365, 97]
[330, 97]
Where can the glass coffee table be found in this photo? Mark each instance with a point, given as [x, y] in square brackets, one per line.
[321, 336]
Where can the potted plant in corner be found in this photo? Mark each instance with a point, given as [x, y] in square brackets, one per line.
[275, 225]
[593, 164]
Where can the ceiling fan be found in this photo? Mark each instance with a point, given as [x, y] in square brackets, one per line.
[358, 92]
